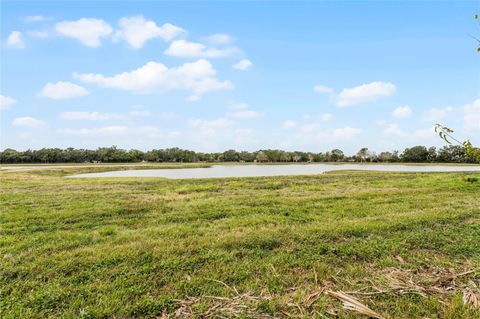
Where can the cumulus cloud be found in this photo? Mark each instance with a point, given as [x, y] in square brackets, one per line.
[198, 77]
[148, 131]
[6, 102]
[63, 90]
[37, 18]
[425, 133]
[308, 128]
[219, 38]
[326, 117]
[243, 65]
[136, 111]
[242, 111]
[393, 129]
[402, 112]
[90, 116]
[145, 131]
[210, 127]
[322, 89]
[183, 48]
[114, 130]
[437, 114]
[88, 31]
[289, 124]
[364, 93]
[471, 117]
[174, 134]
[345, 133]
[245, 114]
[238, 106]
[28, 121]
[136, 31]
[15, 40]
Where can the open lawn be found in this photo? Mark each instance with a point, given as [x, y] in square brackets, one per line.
[406, 245]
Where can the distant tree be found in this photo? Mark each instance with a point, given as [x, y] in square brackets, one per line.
[136, 155]
[296, 157]
[230, 156]
[362, 154]
[385, 157]
[285, 157]
[337, 155]
[246, 156]
[432, 154]
[262, 157]
[416, 154]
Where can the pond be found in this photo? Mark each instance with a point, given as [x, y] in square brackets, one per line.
[222, 171]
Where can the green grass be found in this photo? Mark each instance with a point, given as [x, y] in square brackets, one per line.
[129, 247]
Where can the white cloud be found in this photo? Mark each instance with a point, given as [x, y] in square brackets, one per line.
[308, 128]
[402, 112]
[198, 77]
[145, 131]
[471, 117]
[364, 93]
[326, 117]
[136, 31]
[322, 89]
[390, 129]
[242, 111]
[88, 31]
[393, 129]
[37, 18]
[28, 121]
[15, 40]
[243, 65]
[138, 111]
[174, 134]
[63, 90]
[90, 116]
[6, 102]
[101, 131]
[210, 127]
[425, 133]
[219, 38]
[345, 133]
[245, 114]
[437, 114]
[289, 124]
[183, 48]
[148, 131]
[238, 106]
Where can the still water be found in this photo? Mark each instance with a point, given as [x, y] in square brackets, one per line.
[220, 171]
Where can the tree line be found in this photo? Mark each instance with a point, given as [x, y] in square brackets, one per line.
[113, 154]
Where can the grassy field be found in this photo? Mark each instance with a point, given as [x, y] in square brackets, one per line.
[405, 245]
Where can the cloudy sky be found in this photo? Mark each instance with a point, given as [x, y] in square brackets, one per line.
[210, 76]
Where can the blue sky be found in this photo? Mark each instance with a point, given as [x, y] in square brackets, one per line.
[210, 76]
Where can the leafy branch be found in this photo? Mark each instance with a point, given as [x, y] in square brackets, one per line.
[444, 133]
